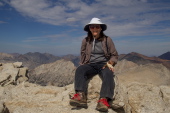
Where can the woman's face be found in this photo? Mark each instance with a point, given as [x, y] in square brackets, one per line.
[95, 30]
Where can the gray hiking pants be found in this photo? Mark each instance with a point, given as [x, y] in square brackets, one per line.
[85, 72]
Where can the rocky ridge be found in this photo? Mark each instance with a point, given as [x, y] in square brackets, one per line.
[58, 73]
[155, 74]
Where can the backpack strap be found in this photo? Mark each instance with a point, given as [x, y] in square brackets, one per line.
[107, 44]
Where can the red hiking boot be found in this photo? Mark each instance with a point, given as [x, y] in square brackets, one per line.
[102, 105]
[79, 99]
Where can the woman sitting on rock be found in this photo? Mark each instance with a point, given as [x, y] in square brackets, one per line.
[98, 56]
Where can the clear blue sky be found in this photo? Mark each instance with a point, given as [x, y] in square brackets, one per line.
[56, 26]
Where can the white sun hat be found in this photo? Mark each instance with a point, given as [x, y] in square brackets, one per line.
[95, 21]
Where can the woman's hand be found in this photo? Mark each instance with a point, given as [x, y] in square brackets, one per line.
[109, 65]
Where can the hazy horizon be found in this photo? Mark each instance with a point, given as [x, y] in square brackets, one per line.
[60, 55]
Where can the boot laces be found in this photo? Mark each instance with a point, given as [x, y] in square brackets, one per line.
[76, 96]
[104, 101]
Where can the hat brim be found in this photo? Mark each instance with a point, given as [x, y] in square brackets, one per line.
[103, 26]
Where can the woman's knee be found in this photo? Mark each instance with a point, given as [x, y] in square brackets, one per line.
[107, 75]
[82, 69]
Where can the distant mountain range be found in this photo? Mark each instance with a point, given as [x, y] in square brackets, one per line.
[165, 56]
[32, 60]
[141, 59]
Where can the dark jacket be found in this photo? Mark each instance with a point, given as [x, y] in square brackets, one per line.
[108, 48]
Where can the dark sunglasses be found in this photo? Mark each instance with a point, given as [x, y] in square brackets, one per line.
[94, 26]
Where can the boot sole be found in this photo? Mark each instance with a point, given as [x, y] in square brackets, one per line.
[102, 109]
[78, 104]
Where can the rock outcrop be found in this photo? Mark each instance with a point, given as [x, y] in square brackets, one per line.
[12, 73]
[139, 89]
[32, 98]
[134, 98]
[146, 98]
